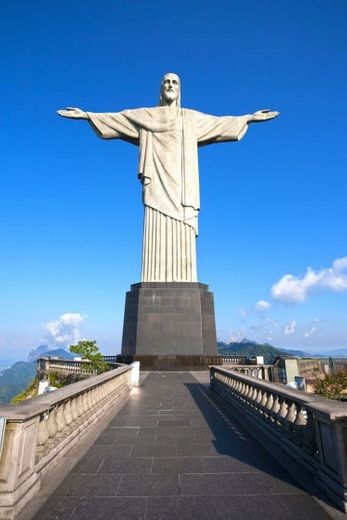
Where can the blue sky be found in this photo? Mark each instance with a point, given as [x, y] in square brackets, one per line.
[273, 204]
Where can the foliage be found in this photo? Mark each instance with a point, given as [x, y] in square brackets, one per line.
[88, 349]
[56, 379]
[28, 393]
[332, 386]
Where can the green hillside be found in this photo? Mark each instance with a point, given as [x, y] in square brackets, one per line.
[13, 380]
[249, 349]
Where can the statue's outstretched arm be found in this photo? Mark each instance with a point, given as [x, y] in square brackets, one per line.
[262, 115]
[73, 113]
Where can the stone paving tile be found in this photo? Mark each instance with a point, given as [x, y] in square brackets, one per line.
[108, 437]
[125, 431]
[177, 465]
[89, 464]
[116, 465]
[180, 508]
[119, 508]
[154, 451]
[154, 485]
[147, 440]
[134, 420]
[57, 508]
[89, 485]
[227, 464]
[265, 484]
[175, 438]
[210, 485]
[157, 430]
[200, 450]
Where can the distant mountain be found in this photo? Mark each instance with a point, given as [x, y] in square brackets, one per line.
[248, 341]
[45, 350]
[249, 349]
[58, 352]
[340, 352]
[297, 353]
[15, 379]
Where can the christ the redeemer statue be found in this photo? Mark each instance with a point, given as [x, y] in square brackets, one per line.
[168, 137]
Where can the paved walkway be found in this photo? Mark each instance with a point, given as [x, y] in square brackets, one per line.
[171, 454]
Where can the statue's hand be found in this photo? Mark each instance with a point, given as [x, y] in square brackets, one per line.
[264, 115]
[74, 113]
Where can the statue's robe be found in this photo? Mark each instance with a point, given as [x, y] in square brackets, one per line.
[168, 138]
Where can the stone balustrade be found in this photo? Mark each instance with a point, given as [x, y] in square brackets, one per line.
[46, 365]
[40, 431]
[260, 371]
[310, 428]
[234, 360]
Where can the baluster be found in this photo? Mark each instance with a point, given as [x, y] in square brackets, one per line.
[92, 397]
[300, 416]
[79, 408]
[74, 412]
[85, 402]
[250, 391]
[291, 415]
[283, 408]
[60, 418]
[67, 413]
[259, 395]
[275, 405]
[42, 433]
[264, 398]
[52, 426]
[89, 400]
[269, 402]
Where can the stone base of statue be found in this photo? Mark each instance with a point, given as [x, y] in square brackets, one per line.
[169, 325]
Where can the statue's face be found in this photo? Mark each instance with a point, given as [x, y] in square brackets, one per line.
[170, 88]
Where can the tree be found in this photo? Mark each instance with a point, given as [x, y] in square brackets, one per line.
[88, 349]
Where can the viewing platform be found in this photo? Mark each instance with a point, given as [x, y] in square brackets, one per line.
[176, 447]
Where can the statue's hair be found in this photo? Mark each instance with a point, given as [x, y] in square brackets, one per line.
[161, 101]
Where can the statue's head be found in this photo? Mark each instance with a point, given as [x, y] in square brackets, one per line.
[170, 90]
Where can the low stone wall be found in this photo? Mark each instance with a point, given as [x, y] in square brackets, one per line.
[40, 431]
[47, 365]
[310, 428]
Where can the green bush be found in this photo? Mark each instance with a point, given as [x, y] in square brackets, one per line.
[333, 386]
[88, 349]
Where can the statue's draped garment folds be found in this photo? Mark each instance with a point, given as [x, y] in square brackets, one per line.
[168, 138]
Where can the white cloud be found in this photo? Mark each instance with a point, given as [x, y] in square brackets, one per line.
[65, 330]
[290, 328]
[311, 328]
[293, 289]
[262, 306]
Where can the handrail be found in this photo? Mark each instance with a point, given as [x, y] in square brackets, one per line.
[310, 428]
[40, 431]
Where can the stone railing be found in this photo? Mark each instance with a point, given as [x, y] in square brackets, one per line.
[234, 360]
[260, 371]
[40, 431]
[310, 428]
[46, 365]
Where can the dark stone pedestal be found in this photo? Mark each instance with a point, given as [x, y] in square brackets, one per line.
[167, 322]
